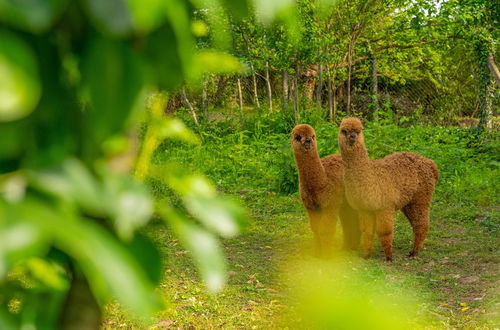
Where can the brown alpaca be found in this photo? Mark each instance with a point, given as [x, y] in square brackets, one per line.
[322, 192]
[378, 188]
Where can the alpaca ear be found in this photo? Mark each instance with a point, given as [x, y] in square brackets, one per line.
[363, 120]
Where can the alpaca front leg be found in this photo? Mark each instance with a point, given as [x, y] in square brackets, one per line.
[385, 231]
[327, 228]
[314, 222]
[367, 223]
[350, 227]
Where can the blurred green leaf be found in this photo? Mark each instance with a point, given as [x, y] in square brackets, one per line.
[114, 75]
[219, 215]
[129, 204]
[175, 128]
[31, 15]
[211, 61]
[238, 9]
[84, 187]
[19, 240]
[164, 60]
[207, 253]
[179, 17]
[20, 87]
[111, 270]
[49, 273]
[147, 14]
[6, 320]
[111, 16]
[105, 261]
[223, 216]
[148, 256]
[268, 10]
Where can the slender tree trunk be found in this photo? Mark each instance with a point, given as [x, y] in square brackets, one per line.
[269, 90]
[331, 96]
[296, 108]
[191, 109]
[240, 96]
[330, 100]
[319, 88]
[204, 100]
[349, 71]
[254, 81]
[334, 91]
[375, 95]
[284, 84]
[221, 86]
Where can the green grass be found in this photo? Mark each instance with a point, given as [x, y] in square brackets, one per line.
[453, 284]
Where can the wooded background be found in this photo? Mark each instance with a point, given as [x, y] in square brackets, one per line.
[428, 59]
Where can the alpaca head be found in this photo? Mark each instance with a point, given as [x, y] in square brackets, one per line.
[303, 139]
[350, 132]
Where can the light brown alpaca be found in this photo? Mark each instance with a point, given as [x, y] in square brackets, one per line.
[322, 192]
[378, 188]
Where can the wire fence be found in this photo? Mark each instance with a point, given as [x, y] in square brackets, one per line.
[444, 100]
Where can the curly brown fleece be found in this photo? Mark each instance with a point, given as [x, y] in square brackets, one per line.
[378, 188]
[322, 191]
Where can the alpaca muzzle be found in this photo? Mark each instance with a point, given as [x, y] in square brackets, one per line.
[308, 144]
[352, 138]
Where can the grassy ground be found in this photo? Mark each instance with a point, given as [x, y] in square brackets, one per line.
[453, 284]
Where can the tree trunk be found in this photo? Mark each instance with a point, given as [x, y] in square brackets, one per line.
[191, 109]
[204, 100]
[221, 86]
[330, 96]
[254, 81]
[334, 91]
[493, 68]
[349, 71]
[296, 108]
[80, 310]
[284, 84]
[486, 90]
[319, 88]
[330, 100]
[269, 90]
[240, 96]
[375, 95]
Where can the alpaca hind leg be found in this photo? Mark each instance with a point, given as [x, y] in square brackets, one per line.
[385, 231]
[367, 223]
[418, 215]
[350, 227]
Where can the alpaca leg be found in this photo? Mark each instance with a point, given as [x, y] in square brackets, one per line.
[314, 221]
[385, 229]
[350, 227]
[418, 215]
[367, 223]
[326, 231]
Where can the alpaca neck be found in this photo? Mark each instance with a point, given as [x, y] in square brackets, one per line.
[311, 170]
[355, 157]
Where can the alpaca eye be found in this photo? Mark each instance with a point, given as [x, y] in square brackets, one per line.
[297, 137]
[313, 137]
[344, 131]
